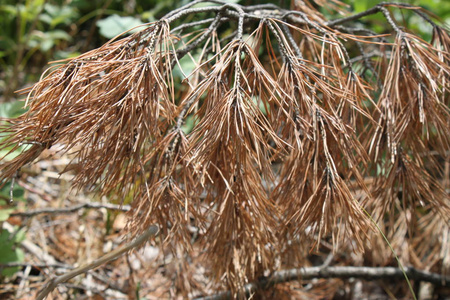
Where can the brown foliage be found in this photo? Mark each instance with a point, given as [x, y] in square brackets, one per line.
[291, 143]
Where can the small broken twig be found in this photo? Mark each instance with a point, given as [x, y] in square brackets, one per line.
[71, 209]
[53, 283]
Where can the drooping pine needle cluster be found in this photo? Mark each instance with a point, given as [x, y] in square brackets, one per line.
[298, 127]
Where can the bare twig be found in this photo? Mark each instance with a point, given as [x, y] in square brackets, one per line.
[192, 24]
[53, 283]
[354, 17]
[366, 273]
[36, 265]
[71, 209]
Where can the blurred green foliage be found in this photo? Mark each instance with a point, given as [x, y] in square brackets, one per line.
[34, 32]
[9, 250]
[441, 9]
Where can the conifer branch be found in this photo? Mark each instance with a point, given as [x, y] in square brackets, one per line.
[296, 124]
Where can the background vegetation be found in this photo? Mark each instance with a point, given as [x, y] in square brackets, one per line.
[35, 32]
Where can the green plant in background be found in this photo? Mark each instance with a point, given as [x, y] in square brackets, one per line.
[410, 20]
[27, 29]
[9, 250]
[115, 25]
[8, 110]
[34, 32]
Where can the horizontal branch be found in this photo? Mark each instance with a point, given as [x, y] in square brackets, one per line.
[354, 17]
[71, 209]
[35, 265]
[365, 273]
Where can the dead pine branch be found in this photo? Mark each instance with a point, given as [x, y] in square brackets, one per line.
[255, 138]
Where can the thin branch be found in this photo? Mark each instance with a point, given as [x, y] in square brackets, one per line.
[71, 209]
[360, 31]
[207, 33]
[358, 16]
[35, 265]
[192, 24]
[176, 11]
[291, 40]
[365, 273]
[325, 32]
[53, 283]
[99, 277]
[388, 17]
[281, 45]
[240, 30]
[191, 11]
[376, 9]
[257, 7]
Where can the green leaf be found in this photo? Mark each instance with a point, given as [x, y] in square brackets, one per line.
[9, 10]
[4, 213]
[11, 109]
[55, 15]
[62, 54]
[59, 35]
[9, 251]
[44, 41]
[31, 10]
[20, 235]
[115, 25]
[18, 191]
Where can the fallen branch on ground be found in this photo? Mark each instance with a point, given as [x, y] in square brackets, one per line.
[71, 209]
[53, 283]
[364, 273]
